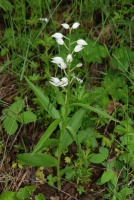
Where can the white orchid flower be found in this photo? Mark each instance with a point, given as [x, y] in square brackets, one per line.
[44, 19]
[78, 48]
[60, 62]
[55, 81]
[81, 42]
[58, 35]
[79, 65]
[75, 25]
[78, 79]
[69, 58]
[57, 60]
[66, 26]
[60, 41]
[64, 82]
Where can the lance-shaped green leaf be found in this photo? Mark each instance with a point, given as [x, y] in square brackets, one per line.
[38, 159]
[46, 135]
[44, 100]
[96, 110]
[75, 123]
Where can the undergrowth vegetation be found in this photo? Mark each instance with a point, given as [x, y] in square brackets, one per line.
[66, 99]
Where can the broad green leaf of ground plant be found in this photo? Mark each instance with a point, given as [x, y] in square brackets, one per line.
[124, 192]
[98, 158]
[46, 135]
[122, 57]
[93, 52]
[8, 195]
[23, 194]
[75, 123]
[107, 176]
[44, 100]
[96, 110]
[26, 117]
[40, 197]
[38, 159]
[10, 125]
[16, 108]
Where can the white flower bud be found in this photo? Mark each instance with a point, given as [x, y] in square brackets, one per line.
[81, 42]
[66, 26]
[57, 35]
[79, 65]
[60, 41]
[69, 58]
[75, 25]
[78, 48]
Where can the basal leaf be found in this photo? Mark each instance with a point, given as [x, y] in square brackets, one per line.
[44, 100]
[38, 159]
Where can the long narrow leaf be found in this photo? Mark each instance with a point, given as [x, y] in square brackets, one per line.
[44, 100]
[96, 110]
[37, 159]
[46, 135]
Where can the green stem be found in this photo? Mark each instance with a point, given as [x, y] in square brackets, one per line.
[64, 120]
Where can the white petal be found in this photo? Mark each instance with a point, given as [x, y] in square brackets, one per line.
[79, 65]
[57, 35]
[62, 65]
[60, 41]
[75, 25]
[81, 42]
[66, 26]
[69, 58]
[55, 81]
[57, 60]
[78, 48]
[64, 82]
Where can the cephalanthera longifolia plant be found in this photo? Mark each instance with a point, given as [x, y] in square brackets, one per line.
[68, 122]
